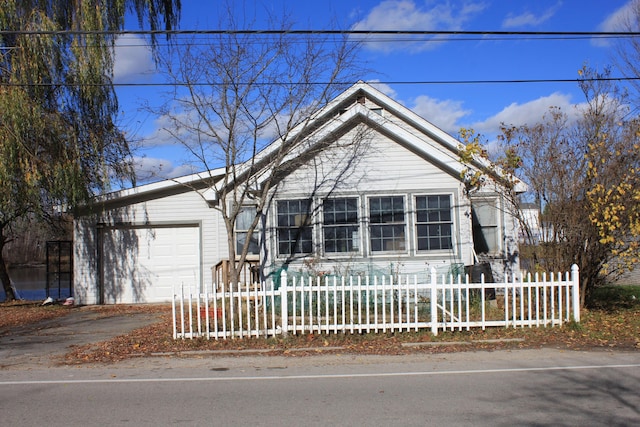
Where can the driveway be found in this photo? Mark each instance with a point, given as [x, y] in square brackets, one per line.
[41, 344]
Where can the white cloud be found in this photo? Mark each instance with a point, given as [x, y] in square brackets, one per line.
[521, 114]
[149, 169]
[177, 128]
[161, 134]
[384, 88]
[529, 19]
[617, 21]
[442, 113]
[133, 60]
[188, 132]
[405, 15]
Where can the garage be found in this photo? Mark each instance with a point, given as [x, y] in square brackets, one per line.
[142, 264]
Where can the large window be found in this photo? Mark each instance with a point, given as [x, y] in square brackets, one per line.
[486, 238]
[243, 222]
[433, 222]
[340, 225]
[295, 230]
[387, 224]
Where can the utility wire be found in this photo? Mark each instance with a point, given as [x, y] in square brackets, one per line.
[325, 32]
[359, 36]
[385, 36]
[203, 42]
[417, 82]
[131, 43]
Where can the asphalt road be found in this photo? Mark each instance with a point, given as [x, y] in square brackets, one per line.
[506, 388]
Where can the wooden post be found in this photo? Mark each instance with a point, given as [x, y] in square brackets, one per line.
[575, 278]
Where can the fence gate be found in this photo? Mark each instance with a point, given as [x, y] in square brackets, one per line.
[59, 269]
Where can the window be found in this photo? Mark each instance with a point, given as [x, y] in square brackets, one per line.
[294, 227]
[341, 228]
[245, 217]
[484, 214]
[433, 222]
[387, 224]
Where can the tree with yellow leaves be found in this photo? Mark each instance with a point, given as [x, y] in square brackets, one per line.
[583, 173]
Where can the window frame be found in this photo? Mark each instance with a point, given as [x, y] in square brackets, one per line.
[354, 242]
[306, 236]
[400, 244]
[496, 226]
[237, 231]
[439, 223]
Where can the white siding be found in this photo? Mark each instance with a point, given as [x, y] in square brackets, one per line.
[160, 212]
[85, 260]
[385, 168]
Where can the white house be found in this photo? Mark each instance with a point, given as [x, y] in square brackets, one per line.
[395, 204]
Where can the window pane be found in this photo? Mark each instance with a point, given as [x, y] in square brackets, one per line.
[294, 228]
[340, 225]
[433, 222]
[243, 221]
[245, 217]
[387, 218]
[485, 226]
[486, 212]
[241, 238]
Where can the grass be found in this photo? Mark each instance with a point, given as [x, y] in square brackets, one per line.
[613, 298]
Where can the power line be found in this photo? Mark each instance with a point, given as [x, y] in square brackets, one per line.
[328, 32]
[405, 39]
[203, 42]
[416, 82]
[357, 36]
[385, 36]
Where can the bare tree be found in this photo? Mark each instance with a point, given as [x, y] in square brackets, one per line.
[627, 49]
[584, 176]
[244, 104]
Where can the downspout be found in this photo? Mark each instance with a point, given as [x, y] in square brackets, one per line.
[100, 262]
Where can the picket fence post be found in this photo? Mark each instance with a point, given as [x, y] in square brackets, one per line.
[173, 310]
[434, 302]
[575, 278]
[284, 306]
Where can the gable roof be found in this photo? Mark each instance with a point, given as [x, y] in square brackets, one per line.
[343, 112]
[345, 109]
[169, 186]
[420, 135]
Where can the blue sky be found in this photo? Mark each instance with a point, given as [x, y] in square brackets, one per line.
[449, 106]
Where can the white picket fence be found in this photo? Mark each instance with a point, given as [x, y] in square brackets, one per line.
[353, 305]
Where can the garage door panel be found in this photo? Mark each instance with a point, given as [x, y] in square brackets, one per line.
[144, 264]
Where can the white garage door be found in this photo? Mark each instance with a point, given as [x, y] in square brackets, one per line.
[142, 264]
